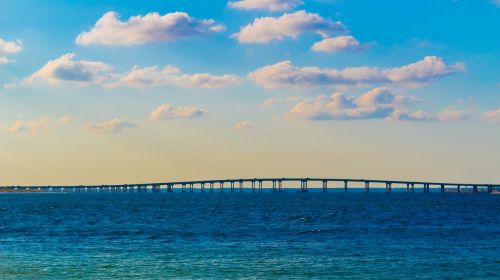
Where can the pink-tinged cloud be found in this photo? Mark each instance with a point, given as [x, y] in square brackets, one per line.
[267, 29]
[266, 5]
[33, 127]
[243, 125]
[171, 75]
[285, 73]
[8, 48]
[338, 44]
[66, 69]
[378, 103]
[170, 112]
[492, 116]
[450, 114]
[115, 125]
[153, 27]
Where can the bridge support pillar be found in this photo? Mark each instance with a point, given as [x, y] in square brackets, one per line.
[253, 186]
[304, 186]
[407, 187]
[325, 186]
[232, 186]
[241, 186]
[474, 189]
[202, 187]
[183, 187]
[221, 186]
[388, 187]
[442, 188]
[280, 185]
[274, 186]
[345, 185]
[260, 186]
[367, 187]
[459, 188]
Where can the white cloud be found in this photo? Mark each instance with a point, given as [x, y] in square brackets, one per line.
[338, 44]
[67, 70]
[286, 74]
[492, 116]
[171, 75]
[153, 27]
[452, 114]
[66, 120]
[34, 127]
[267, 5]
[7, 48]
[115, 125]
[243, 125]
[169, 112]
[267, 29]
[378, 103]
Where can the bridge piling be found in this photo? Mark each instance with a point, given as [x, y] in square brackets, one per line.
[253, 186]
[325, 186]
[221, 186]
[345, 186]
[260, 186]
[241, 186]
[367, 186]
[232, 186]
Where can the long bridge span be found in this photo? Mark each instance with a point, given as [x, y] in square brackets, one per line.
[274, 184]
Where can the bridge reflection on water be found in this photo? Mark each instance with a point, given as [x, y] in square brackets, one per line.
[271, 184]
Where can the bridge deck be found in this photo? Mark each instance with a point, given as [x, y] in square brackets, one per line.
[277, 184]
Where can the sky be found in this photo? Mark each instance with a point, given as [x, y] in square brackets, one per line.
[132, 91]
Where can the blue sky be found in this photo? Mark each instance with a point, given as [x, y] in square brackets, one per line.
[248, 88]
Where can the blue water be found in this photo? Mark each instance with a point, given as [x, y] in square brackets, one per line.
[260, 236]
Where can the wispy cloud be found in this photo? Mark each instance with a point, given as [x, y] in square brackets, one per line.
[8, 48]
[170, 112]
[172, 75]
[153, 27]
[66, 120]
[115, 125]
[267, 5]
[450, 114]
[243, 125]
[34, 126]
[492, 116]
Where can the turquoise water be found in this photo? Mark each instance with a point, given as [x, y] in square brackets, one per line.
[262, 236]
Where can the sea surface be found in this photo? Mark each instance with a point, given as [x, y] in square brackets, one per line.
[249, 236]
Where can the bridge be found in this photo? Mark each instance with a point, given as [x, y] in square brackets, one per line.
[261, 184]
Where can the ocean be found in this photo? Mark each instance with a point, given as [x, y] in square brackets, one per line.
[249, 236]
